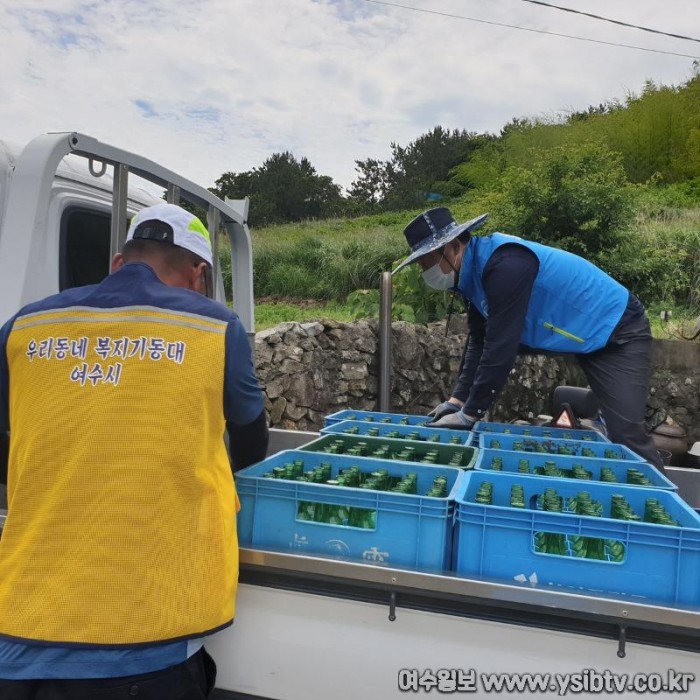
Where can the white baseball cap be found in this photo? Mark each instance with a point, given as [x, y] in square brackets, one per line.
[173, 224]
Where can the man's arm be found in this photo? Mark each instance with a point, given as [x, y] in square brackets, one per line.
[508, 280]
[244, 406]
[472, 356]
[248, 443]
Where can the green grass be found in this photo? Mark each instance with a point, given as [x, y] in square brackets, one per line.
[658, 258]
[680, 324]
[271, 314]
[329, 259]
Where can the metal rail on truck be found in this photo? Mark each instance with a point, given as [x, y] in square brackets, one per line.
[30, 195]
[581, 612]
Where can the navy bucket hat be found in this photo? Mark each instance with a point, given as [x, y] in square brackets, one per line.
[433, 229]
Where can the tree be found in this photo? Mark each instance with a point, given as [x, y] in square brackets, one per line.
[283, 189]
[415, 169]
[573, 197]
[417, 172]
[372, 183]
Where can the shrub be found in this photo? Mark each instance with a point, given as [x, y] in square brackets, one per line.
[225, 265]
[412, 300]
[573, 197]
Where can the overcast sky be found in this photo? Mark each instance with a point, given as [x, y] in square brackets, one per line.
[215, 85]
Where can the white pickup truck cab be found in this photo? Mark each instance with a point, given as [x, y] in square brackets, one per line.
[310, 628]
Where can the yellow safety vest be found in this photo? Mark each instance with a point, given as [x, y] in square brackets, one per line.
[121, 523]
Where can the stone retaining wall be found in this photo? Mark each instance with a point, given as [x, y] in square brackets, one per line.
[309, 370]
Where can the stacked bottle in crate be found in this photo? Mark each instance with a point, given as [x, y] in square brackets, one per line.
[539, 431]
[376, 417]
[350, 507]
[397, 431]
[352, 477]
[618, 539]
[569, 467]
[554, 446]
[423, 452]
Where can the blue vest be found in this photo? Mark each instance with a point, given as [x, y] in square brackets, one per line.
[574, 305]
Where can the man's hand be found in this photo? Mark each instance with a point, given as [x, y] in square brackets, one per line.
[444, 409]
[453, 421]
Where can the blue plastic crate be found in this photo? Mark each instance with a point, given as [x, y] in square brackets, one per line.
[444, 454]
[438, 435]
[511, 461]
[539, 431]
[411, 530]
[607, 450]
[660, 563]
[376, 417]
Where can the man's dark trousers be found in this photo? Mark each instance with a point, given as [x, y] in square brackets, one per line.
[191, 680]
[619, 377]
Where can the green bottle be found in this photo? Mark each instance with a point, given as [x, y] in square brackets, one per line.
[608, 475]
[578, 472]
[439, 487]
[484, 494]
[455, 460]
[551, 469]
[555, 542]
[595, 546]
[541, 542]
[634, 476]
[616, 550]
[578, 546]
[290, 471]
[517, 496]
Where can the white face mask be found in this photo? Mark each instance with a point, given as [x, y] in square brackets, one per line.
[437, 279]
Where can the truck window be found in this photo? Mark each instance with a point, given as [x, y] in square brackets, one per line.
[84, 256]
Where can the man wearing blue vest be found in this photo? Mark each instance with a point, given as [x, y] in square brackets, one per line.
[527, 296]
[119, 554]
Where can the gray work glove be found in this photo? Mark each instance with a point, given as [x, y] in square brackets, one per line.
[453, 421]
[443, 409]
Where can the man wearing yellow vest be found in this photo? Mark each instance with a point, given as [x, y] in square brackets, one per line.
[119, 553]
